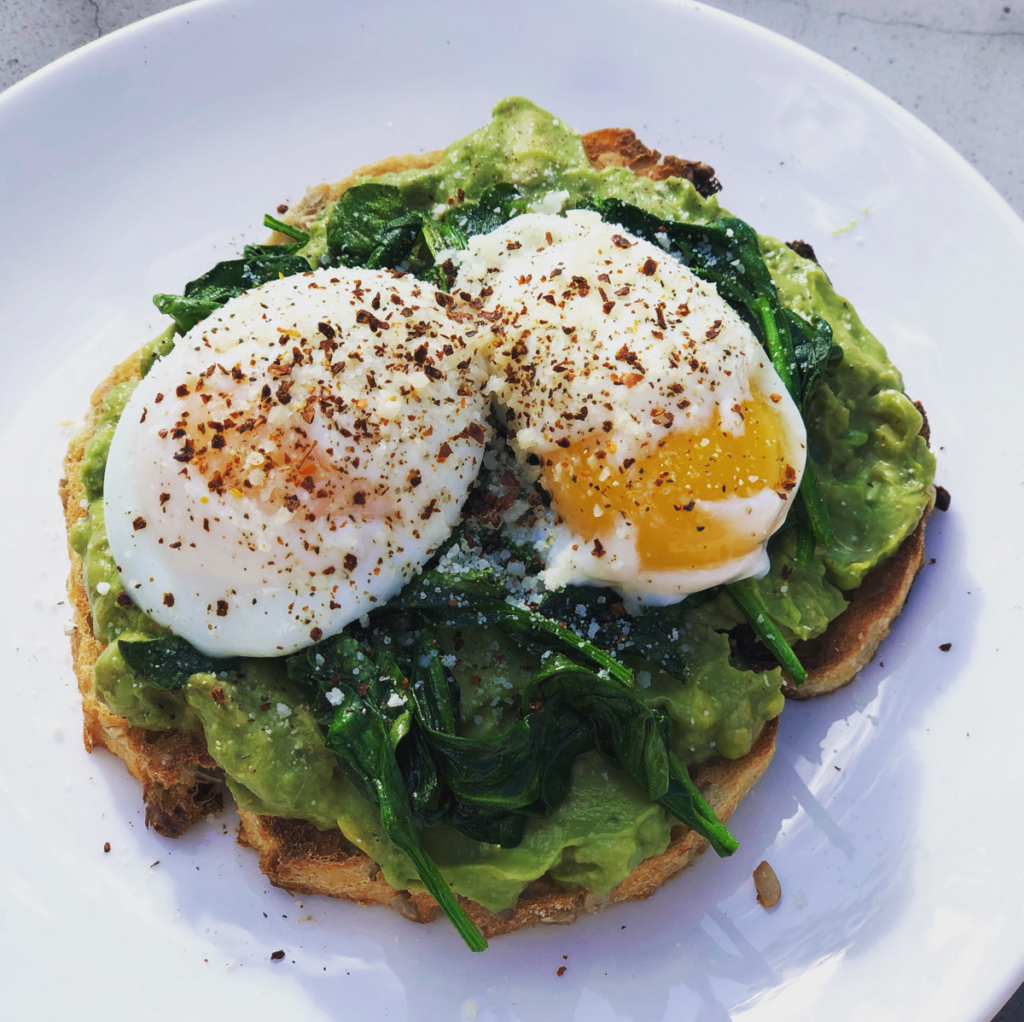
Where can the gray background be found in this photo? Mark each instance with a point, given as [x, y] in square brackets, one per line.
[959, 67]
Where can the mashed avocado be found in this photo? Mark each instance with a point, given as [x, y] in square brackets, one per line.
[875, 470]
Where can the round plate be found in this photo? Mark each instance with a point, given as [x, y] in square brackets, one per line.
[131, 165]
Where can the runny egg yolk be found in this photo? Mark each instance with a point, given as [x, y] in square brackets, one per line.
[675, 491]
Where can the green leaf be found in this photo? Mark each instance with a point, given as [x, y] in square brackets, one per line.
[296, 233]
[496, 206]
[360, 740]
[365, 743]
[652, 634]
[475, 598]
[767, 630]
[185, 312]
[496, 783]
[814, 350]
[170, 661]
[357, 223]
[228, 279]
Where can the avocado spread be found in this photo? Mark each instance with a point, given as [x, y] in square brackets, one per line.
[875, 472]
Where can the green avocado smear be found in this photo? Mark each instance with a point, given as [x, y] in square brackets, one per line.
[268, 731]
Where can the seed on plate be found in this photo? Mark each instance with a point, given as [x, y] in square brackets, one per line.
[769, 891]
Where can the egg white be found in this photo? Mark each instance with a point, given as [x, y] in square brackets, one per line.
[349, 411]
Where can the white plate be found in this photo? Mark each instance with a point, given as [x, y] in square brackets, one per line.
[891, 810]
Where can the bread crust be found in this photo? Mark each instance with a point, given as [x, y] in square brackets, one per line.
[181, 782]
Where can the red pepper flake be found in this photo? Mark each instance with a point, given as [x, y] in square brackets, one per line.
[415, 478]
[139, 523]
[182, 390]
[430, 509]
[513, 245]
[277, 956]
[649, 267]
[222, 608]
[598, 550]
[714, 330]
[316, 634]
[620, 242]
[445, 452]
[363, 689]
[560, 971]
[158, 398]
[123, 599]
[375, 324]
[350, 562]
[168, 599]
[106, 846]
[608, 306]
[187, 452]
[946, 647]
[217, 694]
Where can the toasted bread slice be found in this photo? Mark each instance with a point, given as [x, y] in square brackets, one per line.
[180, 780]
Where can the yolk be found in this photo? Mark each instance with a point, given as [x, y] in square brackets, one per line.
[656, 491]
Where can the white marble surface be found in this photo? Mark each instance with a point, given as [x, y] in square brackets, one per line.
[958, 66]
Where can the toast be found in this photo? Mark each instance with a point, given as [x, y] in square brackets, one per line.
[180, 780]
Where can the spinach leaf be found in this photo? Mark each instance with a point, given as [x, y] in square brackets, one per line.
[499, 204]
[370, 226]
[169, 662]
[228, 279]
[475, 598]
[361, 736]
[295, 233]
[813, 348]
[498, 782]
[360, 740]
[358, 224]
[638, 738]
[185, 312]
[653, 634]
[767, 630]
